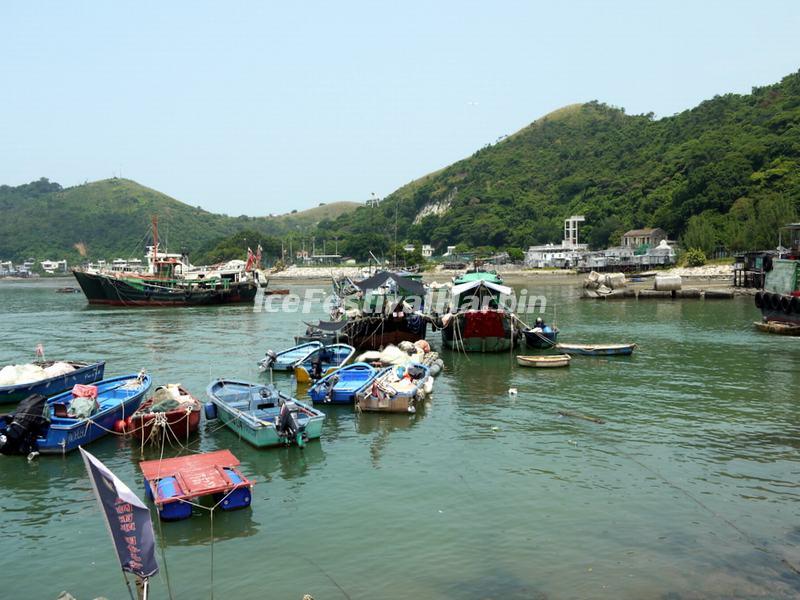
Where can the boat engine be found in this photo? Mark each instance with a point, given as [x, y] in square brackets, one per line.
[19, 430]
[288, 424]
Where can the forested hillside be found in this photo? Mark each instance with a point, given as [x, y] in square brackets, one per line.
[723, 174]
[111, 218]
[726, 173]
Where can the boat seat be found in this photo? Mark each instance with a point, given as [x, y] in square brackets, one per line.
[60, 410]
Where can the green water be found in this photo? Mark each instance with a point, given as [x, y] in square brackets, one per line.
[690, 489]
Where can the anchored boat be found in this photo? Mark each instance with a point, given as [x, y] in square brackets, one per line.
[82, 416]
[50, 379]
[171, 409]
[394, 389]
[546, 361]
[779, 298]
[322, 361]
[477, 320]
[170, 280]
[262, 415]
[341, 386]
[597, 349]
[285, 360]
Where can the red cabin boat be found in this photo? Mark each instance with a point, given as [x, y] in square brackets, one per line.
[171, 408]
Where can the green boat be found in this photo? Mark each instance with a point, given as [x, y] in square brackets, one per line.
[477, 320]
[262, 415]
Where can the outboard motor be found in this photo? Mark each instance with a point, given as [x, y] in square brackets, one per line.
[288, 424]
[329, 385]
[269, 359]
[18, 431]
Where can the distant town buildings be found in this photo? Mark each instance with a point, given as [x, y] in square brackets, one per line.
[643, 237]
[640, 248]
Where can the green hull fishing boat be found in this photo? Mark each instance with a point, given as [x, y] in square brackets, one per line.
[262, 415]
[477, 321]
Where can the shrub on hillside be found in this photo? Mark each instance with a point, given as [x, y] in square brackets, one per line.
[694, 257]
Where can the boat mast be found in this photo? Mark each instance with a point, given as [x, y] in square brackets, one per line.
[154, 221]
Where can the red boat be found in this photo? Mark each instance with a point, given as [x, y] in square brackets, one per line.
[171, 408]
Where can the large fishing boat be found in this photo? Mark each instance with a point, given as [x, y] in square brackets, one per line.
[170, 280]
[477, 320]
[387, 308]
[779, 298]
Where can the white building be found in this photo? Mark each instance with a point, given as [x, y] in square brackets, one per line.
[51, 266]
[427, 250]
[564, 256]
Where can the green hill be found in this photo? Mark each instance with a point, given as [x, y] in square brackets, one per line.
[726, 173]
[111, 218]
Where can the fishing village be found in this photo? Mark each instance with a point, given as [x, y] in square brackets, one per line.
[555, 363]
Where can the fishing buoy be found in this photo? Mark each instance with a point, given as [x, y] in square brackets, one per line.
[512, 392]
[120, 426]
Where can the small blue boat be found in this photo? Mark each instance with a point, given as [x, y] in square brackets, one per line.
[341, 386]
[597, 349]
[323, 361]
[84, 373]
[285, 360]
[541, 337]
[117, 399]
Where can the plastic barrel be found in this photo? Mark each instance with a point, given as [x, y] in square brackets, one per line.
[210, 410]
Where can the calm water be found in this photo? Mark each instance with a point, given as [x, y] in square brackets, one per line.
[690, 489]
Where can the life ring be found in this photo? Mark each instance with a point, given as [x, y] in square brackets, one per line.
[759, 299]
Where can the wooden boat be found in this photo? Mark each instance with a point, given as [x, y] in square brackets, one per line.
[117, 398]
[544, 361]
[278, 292]
[262, 415]
[173, 484]
[85, 372]
[597, 349]
[540, 337]
[285, 360]
[394, 389]
[323, 361]
[181, 420]
[477, 320]
[777, 327]
[68, 290]
[341, 386]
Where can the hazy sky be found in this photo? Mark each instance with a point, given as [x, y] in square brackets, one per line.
[261, 107]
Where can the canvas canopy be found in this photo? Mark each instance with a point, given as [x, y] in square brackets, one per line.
[460, 289]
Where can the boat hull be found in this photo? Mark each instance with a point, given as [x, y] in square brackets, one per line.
[65, 435]
[540, 339]
[88, 373]
[350, 381]
[260, 432]
[585, 350]
[480, 331]
[544, 362]
[180, 422]
[114, 291]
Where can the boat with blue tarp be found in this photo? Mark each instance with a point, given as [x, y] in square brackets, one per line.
[262, 414]
[76, 420]
[80, 373]
[323, 361]
[341, 386]
[285, 360]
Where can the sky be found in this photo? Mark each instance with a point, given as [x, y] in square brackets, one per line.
[263, 107]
